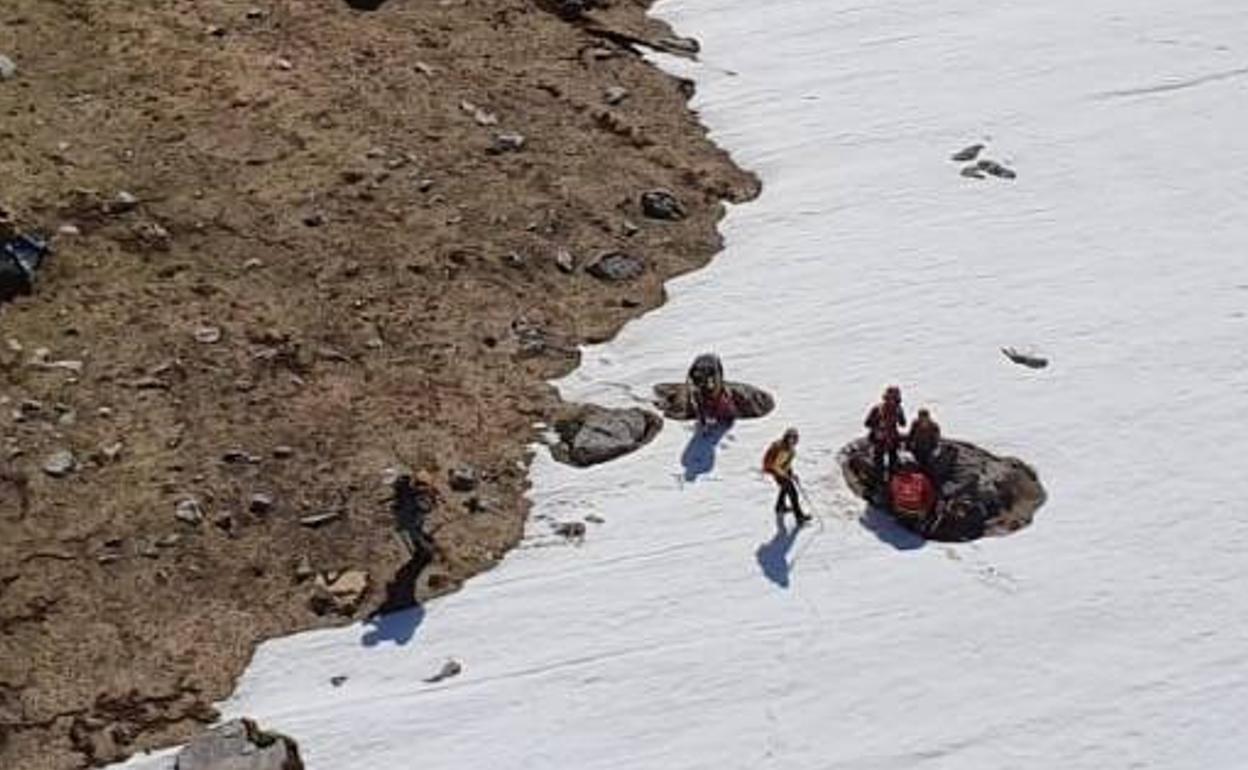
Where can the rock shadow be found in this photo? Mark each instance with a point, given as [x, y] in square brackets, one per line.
[773, 556]
[889, 530]
[396, 627]
[365, 5]
[699, 455]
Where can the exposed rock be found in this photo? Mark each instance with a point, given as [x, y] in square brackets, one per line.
[341, 593]
[449, 669]
[661, 204]
[617, 266]
[123, 202]
[564, 261]
[595, 434]
[673, 399]
[239, 745]
[207, 335]
[463, 479]
[315, 520]
[996, 169]
[189, 510]
[685, 46]
[8, 69]
[1025, 359]
[60, 463]
[260, 503]
[972, 172]
[615, 94]
[967, 154]
[572, 530]
[507, 142]
[978, 493]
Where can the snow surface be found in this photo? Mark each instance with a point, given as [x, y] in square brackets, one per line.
[1112, 633]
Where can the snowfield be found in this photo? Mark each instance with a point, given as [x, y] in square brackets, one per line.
[687, 632]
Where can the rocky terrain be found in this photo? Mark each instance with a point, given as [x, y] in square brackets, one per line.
[299, 247]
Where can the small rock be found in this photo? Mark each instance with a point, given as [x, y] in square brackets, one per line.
[564, 261]
[239, 457]
[104, 412]
[341, 594]
[972, 172]
[68, 230]
[124, 202]
[112, 451]
[617, 266]
[661, 204]
[314, 220]
[260, 503]
[215, 30]
[283, 64]
[449, 669]
[281, 451]
[996, 169]
[1025, 359]
[60, 464]
[463, 479]
[255, 13]
[189, 510]
[629, 228]
[253, 263]
[168, 541]
[303, 569]
[424, 185]
[679, 45]
[315, 520]
[515, 259]
[572, 530]
[615, 94]
[594, 518]
[207, 335]
[108, 558]
[338, 681]
[224, 520]
[967, 153]
[8, 68]
[507, 142]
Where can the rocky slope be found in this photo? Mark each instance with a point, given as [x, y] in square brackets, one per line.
[298, 246]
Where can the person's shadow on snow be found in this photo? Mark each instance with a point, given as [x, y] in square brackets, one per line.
[699, 455]
[397, 627]
[773, 556]
[882, 524]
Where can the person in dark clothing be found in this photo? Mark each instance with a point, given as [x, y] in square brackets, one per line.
[778, 463]
[882, 424]
[413, 501]
[924, 439]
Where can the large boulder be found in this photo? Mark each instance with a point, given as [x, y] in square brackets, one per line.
[978, 492]
[590, 434]
[674, 400]
[239, 745]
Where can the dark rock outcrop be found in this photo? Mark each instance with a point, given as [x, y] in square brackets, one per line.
[979, 493]
[616, 266]
[673, 399]
[239, 745]
[590, 434]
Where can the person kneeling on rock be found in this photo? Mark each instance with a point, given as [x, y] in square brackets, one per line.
[778, 463]
[924, 439]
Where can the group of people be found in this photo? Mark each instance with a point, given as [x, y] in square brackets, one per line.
[884, 423]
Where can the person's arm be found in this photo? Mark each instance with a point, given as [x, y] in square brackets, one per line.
[872, 417]
[901, 416]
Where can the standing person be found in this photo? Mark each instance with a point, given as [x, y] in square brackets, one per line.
[924, 439]
[778, 463]
[882, 423]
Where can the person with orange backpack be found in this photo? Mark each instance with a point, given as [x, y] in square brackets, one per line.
[778, 463]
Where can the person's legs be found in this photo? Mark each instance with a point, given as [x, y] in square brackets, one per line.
[789, 489]
[781, 506]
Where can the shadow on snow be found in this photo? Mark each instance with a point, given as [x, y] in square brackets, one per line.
[882, 524]
[699, 455]
[397, 627]
[773, 556]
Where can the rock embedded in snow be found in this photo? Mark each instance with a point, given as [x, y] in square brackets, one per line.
[449, 669]
[239, 745]
[967, 153]
[672, 398]
[978, 493]
[594, 434]
[617, 266]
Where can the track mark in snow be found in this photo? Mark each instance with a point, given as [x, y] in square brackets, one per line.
[1177, 85]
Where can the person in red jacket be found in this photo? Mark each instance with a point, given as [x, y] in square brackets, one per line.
[882, 424]
[778, 463]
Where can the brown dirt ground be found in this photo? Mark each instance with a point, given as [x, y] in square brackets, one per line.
[386, 336]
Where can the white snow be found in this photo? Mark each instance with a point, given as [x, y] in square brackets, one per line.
[1112, 633]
